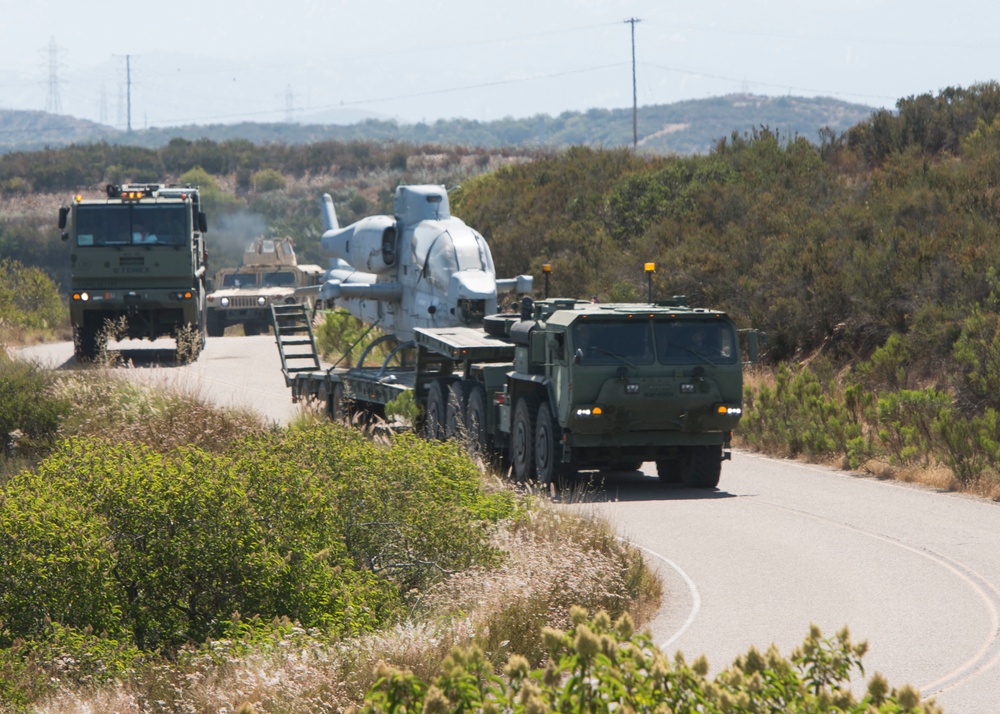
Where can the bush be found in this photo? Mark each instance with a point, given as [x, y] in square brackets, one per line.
[601, 667]
[319, 526]
[30, 410]
[267, 180]
[28, 298]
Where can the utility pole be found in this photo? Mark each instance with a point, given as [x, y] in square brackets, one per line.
[635, 103]
[128, 92]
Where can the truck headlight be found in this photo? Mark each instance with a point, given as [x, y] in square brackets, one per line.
[729, 410]
[589, 411]
[224, 302]
[262, 301]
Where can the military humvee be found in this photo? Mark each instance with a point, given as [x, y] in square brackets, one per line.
[269, 275]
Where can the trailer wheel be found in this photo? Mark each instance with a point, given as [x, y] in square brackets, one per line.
[522, 440]
[475, 421]
[547, 462]
[335, 403]
[704, 466]
[454, 412]
[436, 413]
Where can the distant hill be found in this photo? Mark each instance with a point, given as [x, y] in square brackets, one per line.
[689, 127]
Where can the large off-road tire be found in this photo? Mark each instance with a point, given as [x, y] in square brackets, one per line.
[704, 467]
[250, 329]
[522, 440]
[548, 463]
[475, 422]
[454, 411]
[86, 341]
[216, 325]
[669, 470]
[435, 412]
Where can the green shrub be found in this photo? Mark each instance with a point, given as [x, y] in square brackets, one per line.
[28, 298]
[601, 667]
[30, 410]
[320, 526]
[267, 180]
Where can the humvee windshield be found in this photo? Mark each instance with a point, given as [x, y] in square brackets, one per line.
[280, 279]
[239, 280]
[127, 224]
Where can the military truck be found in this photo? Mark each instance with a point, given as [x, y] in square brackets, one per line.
[563, 386]
[137, 254]
[269, 275]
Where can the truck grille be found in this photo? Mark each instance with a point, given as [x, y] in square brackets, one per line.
[243, 301]
[131, 261]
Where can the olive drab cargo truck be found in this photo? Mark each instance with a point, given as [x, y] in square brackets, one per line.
[137, 255]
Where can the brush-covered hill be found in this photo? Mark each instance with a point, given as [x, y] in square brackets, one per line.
[689, 127]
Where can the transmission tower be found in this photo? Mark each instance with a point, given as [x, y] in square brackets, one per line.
[635, 102]
[289, 105]
[53, 105]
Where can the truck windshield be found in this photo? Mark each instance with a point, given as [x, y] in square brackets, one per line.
[282, 278]
[601, 343]
[130, 224]
[239, 280]
[685, 341]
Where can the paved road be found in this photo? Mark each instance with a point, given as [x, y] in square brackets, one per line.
[779, 546]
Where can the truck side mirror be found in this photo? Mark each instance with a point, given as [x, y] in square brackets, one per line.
[63, 215]
[536, 348]
[751, 339]
[202, 222]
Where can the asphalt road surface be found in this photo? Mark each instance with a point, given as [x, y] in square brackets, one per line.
[778, 546]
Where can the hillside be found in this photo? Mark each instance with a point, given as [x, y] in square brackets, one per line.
[690, 127]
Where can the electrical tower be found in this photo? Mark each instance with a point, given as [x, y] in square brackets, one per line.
[53, 105]
[635, 102]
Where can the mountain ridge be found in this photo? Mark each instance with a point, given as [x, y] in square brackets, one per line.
[689, 127]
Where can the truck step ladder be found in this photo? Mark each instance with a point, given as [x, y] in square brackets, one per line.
[296, 342]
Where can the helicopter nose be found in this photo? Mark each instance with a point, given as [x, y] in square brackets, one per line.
[475, 285]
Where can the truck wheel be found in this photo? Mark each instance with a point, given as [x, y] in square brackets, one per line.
[216, 327]
[435, 415]
[85, 341]
[704, 468]
[547, 460]
[475, 421]
[251, 328]
[669, 471]
[454, 412]
[522, 440]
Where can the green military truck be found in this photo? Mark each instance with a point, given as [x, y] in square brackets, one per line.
[563, 386]
[270, 274]
[137, 254]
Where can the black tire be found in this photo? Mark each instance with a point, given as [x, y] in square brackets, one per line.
[522, 441]
[435, 413]
[335, 407]
[669, 471]
[85, 341]
[216, 325]
[704, 467]
[454, 411]
[548, 462]
[250, 329]
[475, 421]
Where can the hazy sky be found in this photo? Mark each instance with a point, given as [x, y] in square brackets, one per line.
[260, 60]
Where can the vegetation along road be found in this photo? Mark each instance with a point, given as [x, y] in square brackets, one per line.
[779, 546]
